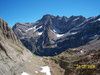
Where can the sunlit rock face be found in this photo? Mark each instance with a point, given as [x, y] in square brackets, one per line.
[52, 35]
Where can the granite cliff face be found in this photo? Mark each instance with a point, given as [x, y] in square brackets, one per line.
[52, 35]
[15, 59]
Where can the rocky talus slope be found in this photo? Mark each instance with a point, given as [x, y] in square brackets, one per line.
[84, 60]
[15, 59]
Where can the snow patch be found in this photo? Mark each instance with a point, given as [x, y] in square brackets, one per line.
[56, 34]
[99, 19]
[40, 27]
[74, 33]
[20, 30]
[36, 72]
[29, 29]
[76, 19]
[24, 73]
[40, 33]
[59, 35]
[35, 29]
[82, 51]
[46, 69]
[54, 30]
[22, 37]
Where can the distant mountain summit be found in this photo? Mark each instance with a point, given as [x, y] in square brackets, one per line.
[52, 35]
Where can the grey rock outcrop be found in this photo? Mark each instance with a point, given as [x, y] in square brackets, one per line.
[15, 59]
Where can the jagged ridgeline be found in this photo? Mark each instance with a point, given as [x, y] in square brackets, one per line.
[52, 35]
[77, 37]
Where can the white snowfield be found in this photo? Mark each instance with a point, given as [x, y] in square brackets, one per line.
[59, 35]
[76, 19]
[24, 73]
[35, 29]
[29, 29]
[99, 19]
[54, 30]
[46, 70]
[74, 33]
[40, 33]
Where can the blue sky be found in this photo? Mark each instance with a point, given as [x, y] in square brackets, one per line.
[14, 11]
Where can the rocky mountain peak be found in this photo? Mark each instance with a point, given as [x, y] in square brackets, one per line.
[48, 16]
[6, 31]
[51, 33]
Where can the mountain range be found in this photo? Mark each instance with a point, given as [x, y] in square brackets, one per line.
[53, 45]
[51, 35]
